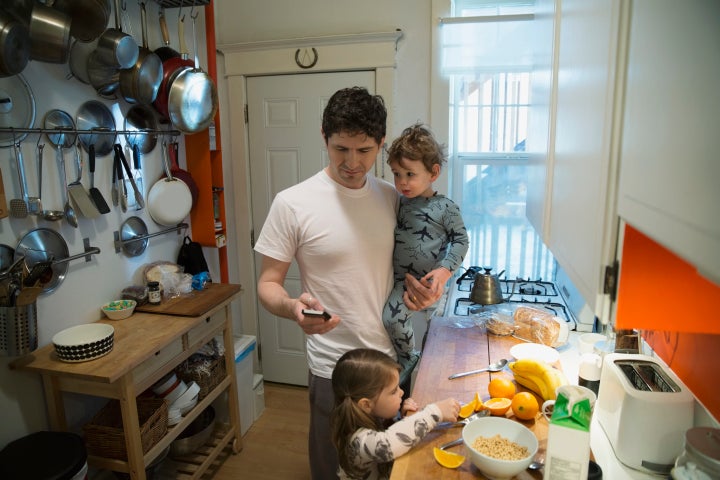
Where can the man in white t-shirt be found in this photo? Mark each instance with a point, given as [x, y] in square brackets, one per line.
[339, 226]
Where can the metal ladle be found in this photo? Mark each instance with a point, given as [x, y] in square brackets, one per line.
[493, 367]
[61, 120]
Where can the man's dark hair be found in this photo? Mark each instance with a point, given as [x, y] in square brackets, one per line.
[354, 110]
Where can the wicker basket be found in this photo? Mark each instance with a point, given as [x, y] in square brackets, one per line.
[104, 435]
[207, 376]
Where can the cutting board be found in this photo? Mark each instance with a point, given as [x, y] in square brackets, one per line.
[3, 203]
[195, 303]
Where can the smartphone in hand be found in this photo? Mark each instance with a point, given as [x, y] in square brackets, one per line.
[316, 313]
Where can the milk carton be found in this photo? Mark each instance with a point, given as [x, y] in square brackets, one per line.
[568, 447]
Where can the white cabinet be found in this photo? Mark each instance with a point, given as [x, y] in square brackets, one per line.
[670, 168]
[578, 221]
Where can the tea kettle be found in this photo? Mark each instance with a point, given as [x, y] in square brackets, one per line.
[486, 288]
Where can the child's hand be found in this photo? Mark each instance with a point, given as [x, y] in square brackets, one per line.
[450, 408]
[409, 407]
[436, 279]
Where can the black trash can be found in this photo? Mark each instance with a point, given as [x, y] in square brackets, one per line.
[44, 456]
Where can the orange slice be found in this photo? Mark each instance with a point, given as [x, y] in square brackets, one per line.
[498, 406]
[448, 459]
[479, 405]
[467, 409]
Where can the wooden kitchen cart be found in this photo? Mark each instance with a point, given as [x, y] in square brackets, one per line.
[147, 346]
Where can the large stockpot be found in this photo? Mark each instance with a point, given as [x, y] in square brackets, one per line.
[140, 83]
[89, 17]
[49, 34]
[14, 45]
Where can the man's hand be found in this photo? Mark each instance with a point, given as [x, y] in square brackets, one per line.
[419, 294]
[312, 325]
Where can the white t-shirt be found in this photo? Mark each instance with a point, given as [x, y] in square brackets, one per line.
[343, 242]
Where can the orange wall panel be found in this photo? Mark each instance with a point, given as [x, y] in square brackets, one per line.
[677, 311]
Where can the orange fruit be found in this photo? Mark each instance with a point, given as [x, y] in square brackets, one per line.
[501, 387]
[525, 406]
[498, 406]
[448, 459]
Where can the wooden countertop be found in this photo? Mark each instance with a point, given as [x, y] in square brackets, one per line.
[137, 338]
[449, 349]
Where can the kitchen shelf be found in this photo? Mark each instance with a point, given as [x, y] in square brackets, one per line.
[205, 164]
[147, 347]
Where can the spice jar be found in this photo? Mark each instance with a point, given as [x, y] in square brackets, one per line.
[154, 296]
[701, 458]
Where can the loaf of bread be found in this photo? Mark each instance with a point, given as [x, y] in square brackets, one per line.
[537, 326]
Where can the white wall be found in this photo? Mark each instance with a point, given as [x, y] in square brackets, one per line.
[86, 285]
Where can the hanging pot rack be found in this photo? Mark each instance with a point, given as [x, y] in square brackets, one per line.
[93, 131]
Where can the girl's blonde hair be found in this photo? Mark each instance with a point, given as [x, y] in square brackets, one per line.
[360, 373]
[417, 143]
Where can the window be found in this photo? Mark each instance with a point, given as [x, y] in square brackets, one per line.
[487, 57]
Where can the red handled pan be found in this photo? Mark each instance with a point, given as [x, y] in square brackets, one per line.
[169, 200]
[172, 66]
[181, 174]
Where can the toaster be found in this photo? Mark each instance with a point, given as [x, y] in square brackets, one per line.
[644, 409]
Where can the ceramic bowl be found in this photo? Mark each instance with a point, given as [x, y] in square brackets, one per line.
[84, 342]
[188, 399]
[494, 468]
[119, 309]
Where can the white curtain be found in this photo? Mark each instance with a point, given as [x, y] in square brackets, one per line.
[486, 44]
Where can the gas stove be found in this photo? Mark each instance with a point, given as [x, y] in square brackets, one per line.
[539, 294]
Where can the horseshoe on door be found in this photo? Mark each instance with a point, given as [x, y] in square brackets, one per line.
[305, 58]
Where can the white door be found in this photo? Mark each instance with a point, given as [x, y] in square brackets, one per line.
[284, 121]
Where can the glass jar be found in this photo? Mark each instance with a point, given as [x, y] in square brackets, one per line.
[154, 296]
[701, 458]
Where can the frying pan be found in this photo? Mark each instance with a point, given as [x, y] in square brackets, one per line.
[140, 83]
[193, 98]
[95, 115]
[166, 52]
[141, 118]
[171, 68]
[169, 200]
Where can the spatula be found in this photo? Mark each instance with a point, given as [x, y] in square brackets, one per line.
[95, 193]
[34, 203]
[77, 191]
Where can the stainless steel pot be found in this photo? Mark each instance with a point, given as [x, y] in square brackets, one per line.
[49, 34]
[116, 48]
[140, 83]
[89, 17]
[14, 45]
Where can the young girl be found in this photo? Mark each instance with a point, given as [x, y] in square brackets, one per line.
[367, 395]
[430, 236]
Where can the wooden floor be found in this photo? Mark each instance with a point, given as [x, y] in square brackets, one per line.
[275, 446]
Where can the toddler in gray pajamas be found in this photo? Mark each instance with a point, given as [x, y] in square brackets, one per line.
[430, 236]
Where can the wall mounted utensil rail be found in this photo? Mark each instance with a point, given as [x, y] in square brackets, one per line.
[93, 131]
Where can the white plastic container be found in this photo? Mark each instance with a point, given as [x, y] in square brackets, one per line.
[244, 346]
[259, 395]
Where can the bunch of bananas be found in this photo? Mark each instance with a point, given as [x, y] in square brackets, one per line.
[538, 376]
